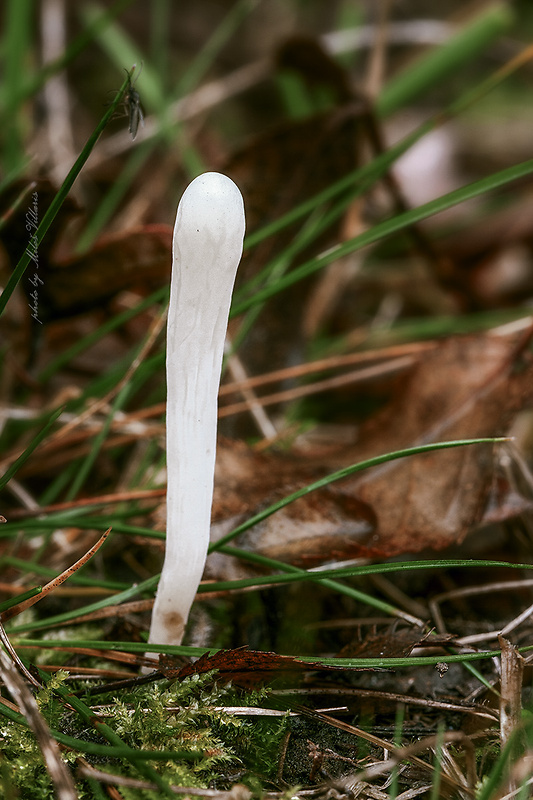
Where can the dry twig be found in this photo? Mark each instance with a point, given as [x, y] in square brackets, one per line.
[57, 769]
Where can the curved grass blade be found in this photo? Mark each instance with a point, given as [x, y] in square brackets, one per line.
[16, 45]
[76, 46]
[328, 583]
[57, 581]
[98, 333]
[258, 581]
[48, 572]
[490, 786]
[348, 572]
[291, 576]
[344, 473]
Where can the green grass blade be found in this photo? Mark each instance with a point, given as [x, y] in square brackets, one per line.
[14, 601]
[102, 330]
[344, 473]
[49, 573]
[97, 443]
[435, 68]
[375, 169]
[58, 200]
[387, 228]
[121, 597]
[347, 572]
[196, 652]
[437, 767]
[13, 469]
[77, 517]
[349, 591]
[397, 741]
[207, 54]
[268, 580]
[121, 49]
[17, 37]
[490, 785]
[408, 330]
[369, 172]
[22, 197]
[33, 84]
[110, 202]
[160, 21]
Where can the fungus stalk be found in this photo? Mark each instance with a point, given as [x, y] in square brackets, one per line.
[207, 247]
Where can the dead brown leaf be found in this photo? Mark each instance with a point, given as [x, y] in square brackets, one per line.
[242, 666]
[465, 387]
[139, 257]
[392, 643]
[324, 525]
[72, 284]
[468, 387]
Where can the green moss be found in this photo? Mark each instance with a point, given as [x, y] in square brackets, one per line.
[186, 717]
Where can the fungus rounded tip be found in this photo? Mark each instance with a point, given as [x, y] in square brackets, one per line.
[212, 201]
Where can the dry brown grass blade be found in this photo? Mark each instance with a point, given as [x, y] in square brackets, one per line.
[377, 57]
[83, 673]
[237, 792]
[53, 584]
[57, 455]
[57, 769]
[155, 329]
[322, 364]
[396, 358]
[376, 371]
[105, 655]
[102, 402]
[488, 588]
[103, 499]
[483, 712]
[238, 372]
[399, 754]
[134, 607]
[388, 746]
[8, 704]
